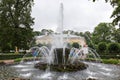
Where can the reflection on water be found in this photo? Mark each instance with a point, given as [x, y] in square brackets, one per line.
[7, 72]
[95, 70]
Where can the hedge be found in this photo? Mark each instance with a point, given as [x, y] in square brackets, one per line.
[10, 56]
[113, 48]
[102, 47]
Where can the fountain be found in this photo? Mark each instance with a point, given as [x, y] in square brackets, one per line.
[59, 58]
[62, 63]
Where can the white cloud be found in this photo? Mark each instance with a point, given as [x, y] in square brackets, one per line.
[80, 15]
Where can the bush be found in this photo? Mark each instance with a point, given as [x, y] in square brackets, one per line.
[113, 48]
[102, 47]
[18, 60]
[10, 56]
[75, 45]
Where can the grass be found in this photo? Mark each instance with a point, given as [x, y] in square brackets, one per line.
[106, 61]
[25, 59]
[17, 60]
[111, 61]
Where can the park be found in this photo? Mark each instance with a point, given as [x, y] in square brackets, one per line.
[67, 53]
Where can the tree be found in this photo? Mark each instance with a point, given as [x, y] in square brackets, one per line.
[37, 33]
[46, 31]
[88, 37]
[103, 33]
[116, 12]
[75, 45]
[117, 35]
[69, 32]
[81, 34]
[15, 24]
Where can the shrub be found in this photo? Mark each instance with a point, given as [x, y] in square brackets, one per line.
[18, 59]
[113, 48]
[75, 45]
[102, 47]
[10, 56]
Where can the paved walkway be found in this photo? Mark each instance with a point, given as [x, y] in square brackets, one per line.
[8, 61]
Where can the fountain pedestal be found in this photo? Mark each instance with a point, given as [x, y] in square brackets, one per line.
[59, 55]
[60, 65]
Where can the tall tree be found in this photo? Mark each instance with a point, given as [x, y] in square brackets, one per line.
[117, 35]
[88, 36]
[103, 33]
[37, 33]
[116, 12]
[15, 23]
[46, 31]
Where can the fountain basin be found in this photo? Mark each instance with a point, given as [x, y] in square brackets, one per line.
[59, 64]
[62, 68]
[91, 79]
[17, 79]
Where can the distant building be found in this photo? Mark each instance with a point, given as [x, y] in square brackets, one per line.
[47, 39]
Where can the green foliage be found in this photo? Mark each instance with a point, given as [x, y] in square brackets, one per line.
[88, 37]
[75, 45]
[93, 59]
[46, 31]
[109, 56]
[15, 24]
[10, 56]
[69, 32]
[102, 47]
[110, 61]
[37, 33]
[114, 48]
[116, 35]
[103, 33]
[116, 12]
[18, 60]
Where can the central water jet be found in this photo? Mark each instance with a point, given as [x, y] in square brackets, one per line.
[59, 54]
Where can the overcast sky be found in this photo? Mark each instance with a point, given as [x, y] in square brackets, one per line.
[79, 15]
